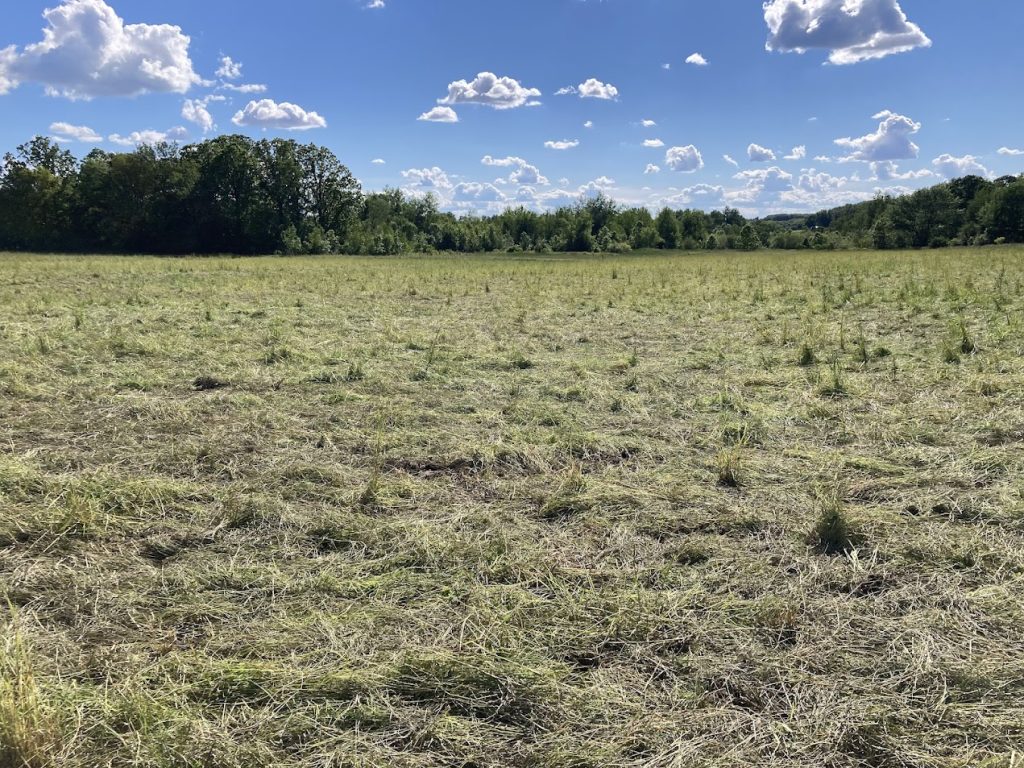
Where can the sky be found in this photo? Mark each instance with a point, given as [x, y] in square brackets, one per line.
[768, 107]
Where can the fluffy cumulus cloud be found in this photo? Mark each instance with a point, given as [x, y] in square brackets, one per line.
[591, 89]
[951, 167]
[267, 113]
[798, 153]
[651, 168]
[654, 143]
[890, 142]
[1008, 152]
[851, 30]
[522, 171]
[439, 115]
[684, 159]
[759, 154]
[66, 132]
[88, 51]
[563, 144]
[491, 91]
[696, 60]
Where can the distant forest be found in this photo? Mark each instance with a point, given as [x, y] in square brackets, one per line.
[232, 194]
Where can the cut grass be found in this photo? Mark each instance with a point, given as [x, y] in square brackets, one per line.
[536, 513]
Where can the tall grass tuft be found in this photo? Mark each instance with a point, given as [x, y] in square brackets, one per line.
[30, 734]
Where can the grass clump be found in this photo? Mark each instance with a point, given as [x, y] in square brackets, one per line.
[806, 356]
[833, 533]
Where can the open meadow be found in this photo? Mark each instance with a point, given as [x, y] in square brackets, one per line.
[656, 510]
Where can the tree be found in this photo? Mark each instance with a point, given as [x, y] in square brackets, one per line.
[330, 193]
[668, 229]
[748, 239]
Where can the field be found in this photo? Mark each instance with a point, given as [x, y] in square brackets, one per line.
[679, 510]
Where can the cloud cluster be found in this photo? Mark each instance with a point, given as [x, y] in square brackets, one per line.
[851, 30]
[147, 137]
[88, 51]
[522, 171]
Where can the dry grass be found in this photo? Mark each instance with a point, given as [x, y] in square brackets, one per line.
[757, 510]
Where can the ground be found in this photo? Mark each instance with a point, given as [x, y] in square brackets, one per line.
[664, 510]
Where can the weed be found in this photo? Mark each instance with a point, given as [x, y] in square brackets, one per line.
[833, 534]
[806, 356]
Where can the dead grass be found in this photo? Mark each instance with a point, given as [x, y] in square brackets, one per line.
[729, 510]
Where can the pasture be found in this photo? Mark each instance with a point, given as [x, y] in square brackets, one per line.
[658, 510]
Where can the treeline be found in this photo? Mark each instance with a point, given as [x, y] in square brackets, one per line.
[232, 194]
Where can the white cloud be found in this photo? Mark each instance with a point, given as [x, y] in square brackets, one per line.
[374, 4]
[595, 89]
[80, 133]
[730, 161]
[1007, 152]
[439, 115]
[229, 70]
[651, 168]
[684, 159]
[522, 173]
[267, 113]
[195, 111]
[588, 124]
[967, 165]
[591, 89]
[697, 60]
[798, 153]
[851, 30]
[147, 137]
[890, 142]
[654, 143]
[648, 123]
[490, 90]
[245, 88]
[88, 51]
[379, 161]
[759, 154]
[563, 144]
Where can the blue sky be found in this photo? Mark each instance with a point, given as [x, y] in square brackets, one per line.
[914, 91]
